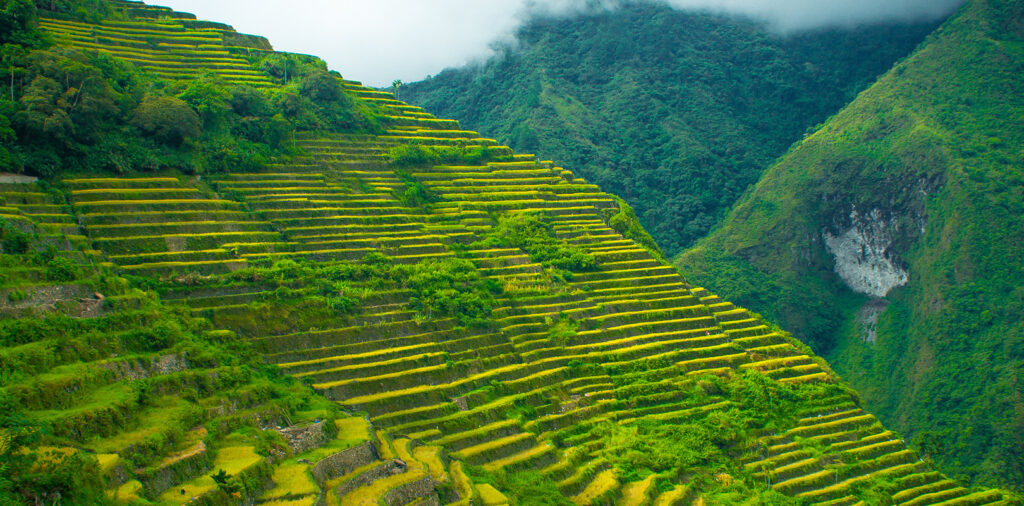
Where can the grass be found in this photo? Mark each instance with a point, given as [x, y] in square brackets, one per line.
[353, 428]
[462, 484]
[232, 459]
[370, 495]
[519, 457]
[638, 493]
[431, 456]
[603, 483]
[129, 492]
[484, 448]
[291, 479]
[490, 496]
[475, 432]
[671, 497]
[116, 395]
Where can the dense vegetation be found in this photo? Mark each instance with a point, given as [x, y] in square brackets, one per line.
[70, 111]
[661, 453]
[675, 112]
[933, 152]
[64, 390]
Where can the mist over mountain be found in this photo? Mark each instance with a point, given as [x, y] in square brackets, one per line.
[420, 38]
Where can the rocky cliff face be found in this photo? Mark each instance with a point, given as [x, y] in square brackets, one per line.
[863, 253]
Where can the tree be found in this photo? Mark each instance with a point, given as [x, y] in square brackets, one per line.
[210, 98]
[397, 84]
[17, 22]
[320, 86]
[167, 119]
[225, 483]
[12, 55]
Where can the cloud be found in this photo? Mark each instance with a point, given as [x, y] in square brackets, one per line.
[379, 41]
[805, 14]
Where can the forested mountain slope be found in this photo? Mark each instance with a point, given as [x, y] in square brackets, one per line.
[676, 112]
[370, 305]
[890, 239]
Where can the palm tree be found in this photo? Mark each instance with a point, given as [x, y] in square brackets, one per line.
[396, 85]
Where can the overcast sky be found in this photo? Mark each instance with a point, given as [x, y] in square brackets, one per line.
[378, 41]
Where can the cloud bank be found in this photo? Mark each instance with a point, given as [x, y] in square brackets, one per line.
[805, 14]
[379, 41]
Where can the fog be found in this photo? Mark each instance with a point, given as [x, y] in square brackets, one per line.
[378, 41]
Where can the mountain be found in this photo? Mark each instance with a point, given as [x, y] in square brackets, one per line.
[889, 239]
[677, 112]
[294, 289]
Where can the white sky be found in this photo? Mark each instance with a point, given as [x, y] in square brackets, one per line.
[378, 41]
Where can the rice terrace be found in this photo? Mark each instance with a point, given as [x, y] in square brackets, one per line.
[232, 276]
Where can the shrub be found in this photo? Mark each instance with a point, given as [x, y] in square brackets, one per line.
[61, 269]
[415, 194]
[452, 288]
[624, 221]
[413, 155]
[14, 241]
[167, 119]
[320, 86]
[529, 232]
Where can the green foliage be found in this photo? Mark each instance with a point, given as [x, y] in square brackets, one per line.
[17, 23]
[654, 447]
[91, 11]
[416, 194]
[61, 269]
[30, 473]
[167, 119]
[523, 488]
[562, 331]
[225, 483]
[678, 112]
[452, 288]
[625, 222]
[701, 448]
[208, 96]
[312, 98]
[443, 288]
[931, 154]
[13, 240]
[415, 155]
[70, 111]
[531, 233]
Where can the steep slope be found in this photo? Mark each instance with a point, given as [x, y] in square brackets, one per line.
[676, 112]
[107, 393]
[488, 328]
[890, 240]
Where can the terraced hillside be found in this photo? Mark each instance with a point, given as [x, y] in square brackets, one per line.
[170, 44]
[563, 362]
[481, 328]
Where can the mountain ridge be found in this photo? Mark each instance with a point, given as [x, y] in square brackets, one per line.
[914, 176]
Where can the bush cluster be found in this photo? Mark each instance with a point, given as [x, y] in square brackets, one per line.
[64, 110]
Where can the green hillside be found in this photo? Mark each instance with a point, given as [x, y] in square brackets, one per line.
[676, 112]
[381, 308]
[921, 178]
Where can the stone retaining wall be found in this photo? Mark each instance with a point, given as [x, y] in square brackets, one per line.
[302, 438]
[409, 492]
[344, 462]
